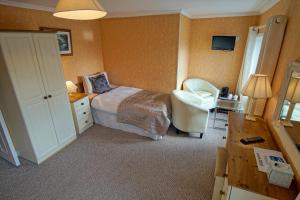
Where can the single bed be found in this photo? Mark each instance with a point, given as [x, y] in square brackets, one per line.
[127, 104]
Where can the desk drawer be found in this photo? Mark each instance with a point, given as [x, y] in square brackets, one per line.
[238, 194]
[224, 191]
[221, 162]
[218, 187]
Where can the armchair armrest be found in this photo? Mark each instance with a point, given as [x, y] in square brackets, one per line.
[215, 91]
[192, 101]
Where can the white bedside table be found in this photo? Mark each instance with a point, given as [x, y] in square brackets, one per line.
[81, 111]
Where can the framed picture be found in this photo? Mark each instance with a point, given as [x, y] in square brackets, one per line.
[64, 38]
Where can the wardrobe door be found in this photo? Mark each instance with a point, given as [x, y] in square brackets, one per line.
[21, 62]
[52, 73]
[20, 57]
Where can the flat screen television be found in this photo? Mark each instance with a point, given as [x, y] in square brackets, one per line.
[225, 43]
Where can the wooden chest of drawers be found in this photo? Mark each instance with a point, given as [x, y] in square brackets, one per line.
[81, 110]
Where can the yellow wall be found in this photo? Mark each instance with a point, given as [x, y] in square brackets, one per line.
[141, 51]
[219, 67]
[157, 52]
[151, 52]
[280, 8]
[290, 48]
[129, 44]
[183, 50]
[87, 55]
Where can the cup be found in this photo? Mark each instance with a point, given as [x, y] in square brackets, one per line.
[236, 97]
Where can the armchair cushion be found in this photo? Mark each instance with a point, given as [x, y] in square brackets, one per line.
[203, 94]
[208, 100]
[205, 91]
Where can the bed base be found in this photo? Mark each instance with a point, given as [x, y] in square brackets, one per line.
[110, 120]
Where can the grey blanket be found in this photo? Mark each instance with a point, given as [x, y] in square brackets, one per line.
[147, 110]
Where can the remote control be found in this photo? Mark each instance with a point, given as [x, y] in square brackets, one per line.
[252, 140]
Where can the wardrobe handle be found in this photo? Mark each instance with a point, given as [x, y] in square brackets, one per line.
[82, 104]
[84, 113]
[86, 121]
[222, 192]
[45, 97]
[50, 96]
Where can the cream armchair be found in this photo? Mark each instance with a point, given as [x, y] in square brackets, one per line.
[187, 114]
[206, 92]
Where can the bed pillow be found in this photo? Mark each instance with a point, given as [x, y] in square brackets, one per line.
[100, 84]
[87, 85]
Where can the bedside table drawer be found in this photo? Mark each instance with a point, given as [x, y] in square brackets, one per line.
[86, 121]
[82, 113]
[82, 103]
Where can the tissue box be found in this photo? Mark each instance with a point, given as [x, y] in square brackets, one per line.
[280, 174]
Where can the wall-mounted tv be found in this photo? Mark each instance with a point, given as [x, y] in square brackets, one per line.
[224, 43]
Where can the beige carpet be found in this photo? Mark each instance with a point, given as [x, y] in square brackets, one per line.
[108, 164]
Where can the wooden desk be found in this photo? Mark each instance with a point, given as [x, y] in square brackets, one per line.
[242, 168]
[294, 132]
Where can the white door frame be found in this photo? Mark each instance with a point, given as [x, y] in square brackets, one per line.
[7, 149]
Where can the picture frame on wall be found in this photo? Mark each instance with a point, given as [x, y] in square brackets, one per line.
[64, 38]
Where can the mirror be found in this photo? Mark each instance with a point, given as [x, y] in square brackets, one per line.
[287, 113]
[289, 103]
[290, 111]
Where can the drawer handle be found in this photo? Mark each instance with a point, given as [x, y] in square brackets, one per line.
[225, 175]
[222, 192]
[224, 137]
[86, 121]
[45, 97]
[82, 104]
[226, 124]
[50, 96]
[84, 113]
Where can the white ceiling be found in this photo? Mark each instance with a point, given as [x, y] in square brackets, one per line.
[190, 8]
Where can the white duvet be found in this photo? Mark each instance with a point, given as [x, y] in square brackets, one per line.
[110, 101]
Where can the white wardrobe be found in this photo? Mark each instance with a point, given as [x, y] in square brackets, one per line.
[33, 97]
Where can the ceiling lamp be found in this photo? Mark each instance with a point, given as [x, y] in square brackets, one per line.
[79, 9]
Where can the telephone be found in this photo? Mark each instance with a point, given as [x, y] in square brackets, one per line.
[224, 92]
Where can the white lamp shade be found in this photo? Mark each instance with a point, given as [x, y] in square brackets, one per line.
[293, 92]
[258, 87]
[71, 87]
[79, 9]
